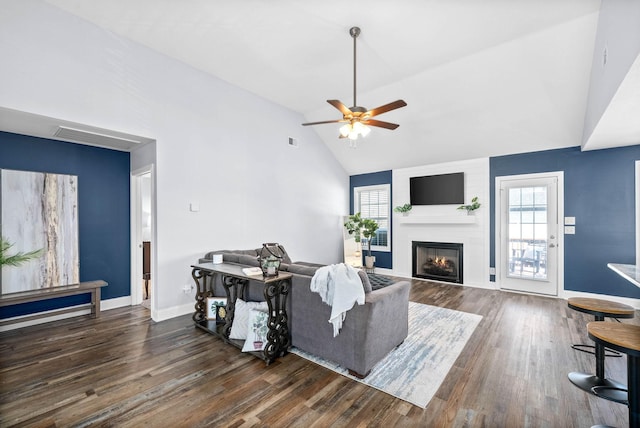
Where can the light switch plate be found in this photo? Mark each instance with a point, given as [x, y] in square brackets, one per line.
[570, 221]
[569, 230]
[194, 207]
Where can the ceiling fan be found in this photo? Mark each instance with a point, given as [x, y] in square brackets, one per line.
[356, 117]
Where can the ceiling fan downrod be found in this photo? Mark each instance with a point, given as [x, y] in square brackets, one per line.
[355, 32]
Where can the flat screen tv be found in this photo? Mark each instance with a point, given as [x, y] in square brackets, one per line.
[443, 189]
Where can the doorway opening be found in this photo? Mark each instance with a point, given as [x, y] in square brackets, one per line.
[142, 254]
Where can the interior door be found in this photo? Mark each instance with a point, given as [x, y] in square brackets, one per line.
[529, 234]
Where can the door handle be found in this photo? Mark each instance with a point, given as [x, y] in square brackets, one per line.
[552, 245]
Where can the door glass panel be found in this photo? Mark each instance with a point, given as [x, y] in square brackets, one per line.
[527, 233]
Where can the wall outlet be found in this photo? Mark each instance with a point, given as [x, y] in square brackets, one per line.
[492, 271]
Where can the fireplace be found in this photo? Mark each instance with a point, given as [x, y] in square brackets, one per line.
[441, 261]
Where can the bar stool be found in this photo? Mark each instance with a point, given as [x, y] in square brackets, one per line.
[599, 309]
[624, 338]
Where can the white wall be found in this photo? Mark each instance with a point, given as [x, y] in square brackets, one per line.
[216, 145]
[442, 223]
[618, 33]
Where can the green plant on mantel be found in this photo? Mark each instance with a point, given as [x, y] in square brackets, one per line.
[470, 208]
[403, 208]
[18, 258]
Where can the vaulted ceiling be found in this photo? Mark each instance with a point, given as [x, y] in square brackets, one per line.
[480, 77]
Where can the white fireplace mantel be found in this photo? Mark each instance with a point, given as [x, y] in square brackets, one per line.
[453, 219]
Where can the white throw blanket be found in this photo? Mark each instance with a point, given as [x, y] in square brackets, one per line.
[340, 287]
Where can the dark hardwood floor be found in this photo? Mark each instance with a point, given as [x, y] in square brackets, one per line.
[125, 370]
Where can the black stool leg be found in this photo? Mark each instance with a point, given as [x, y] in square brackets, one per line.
[587, 382]
[633, 379]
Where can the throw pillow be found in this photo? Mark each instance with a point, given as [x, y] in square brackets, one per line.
[257, 334]
[241, 317]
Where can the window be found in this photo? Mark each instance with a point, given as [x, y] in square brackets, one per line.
[374, 202]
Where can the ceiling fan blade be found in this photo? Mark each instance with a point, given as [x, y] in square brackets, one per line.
[344, 109]
[385, 108]
[324, 121]
[380, 124]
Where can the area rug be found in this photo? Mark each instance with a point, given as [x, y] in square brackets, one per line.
[415, 370]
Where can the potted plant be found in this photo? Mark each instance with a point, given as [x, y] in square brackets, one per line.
[362, 228]
[18, 258]
[354, 227]
[369, 228]
[404, 209]
[472, 207]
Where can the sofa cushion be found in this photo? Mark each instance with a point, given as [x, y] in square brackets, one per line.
[239, 328]
[302, 270]
[246, 259]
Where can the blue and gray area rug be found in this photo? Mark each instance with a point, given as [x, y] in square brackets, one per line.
[415, 370]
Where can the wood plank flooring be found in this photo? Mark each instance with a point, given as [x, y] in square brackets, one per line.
[125, 370]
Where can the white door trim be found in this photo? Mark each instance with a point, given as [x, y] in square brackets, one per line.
[559, 175]
[136, 236]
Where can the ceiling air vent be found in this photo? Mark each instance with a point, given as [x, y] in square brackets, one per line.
[95, 138]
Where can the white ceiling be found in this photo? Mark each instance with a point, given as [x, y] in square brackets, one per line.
[480, 77]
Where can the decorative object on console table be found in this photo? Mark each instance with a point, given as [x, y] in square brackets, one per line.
[472, 207]
[270, 257]
[217, 309]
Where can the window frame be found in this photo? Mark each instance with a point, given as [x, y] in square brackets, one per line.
[356, 208]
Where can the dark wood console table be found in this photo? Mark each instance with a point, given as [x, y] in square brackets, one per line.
[276, 290]
[92, 287]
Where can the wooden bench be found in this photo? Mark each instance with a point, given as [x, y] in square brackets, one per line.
[92, 287]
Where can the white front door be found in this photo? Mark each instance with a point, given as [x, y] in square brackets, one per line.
[528, 238]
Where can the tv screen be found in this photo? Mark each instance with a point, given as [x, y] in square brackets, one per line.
[444, 189]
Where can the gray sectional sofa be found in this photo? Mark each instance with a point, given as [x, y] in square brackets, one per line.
[369, 331]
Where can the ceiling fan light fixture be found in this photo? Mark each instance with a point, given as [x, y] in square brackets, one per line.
[354, 116]
[354, 130]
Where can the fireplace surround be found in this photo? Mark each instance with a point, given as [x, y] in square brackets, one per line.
[440, 261]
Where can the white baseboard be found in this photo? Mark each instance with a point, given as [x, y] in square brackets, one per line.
[118, 302]
[172, 312]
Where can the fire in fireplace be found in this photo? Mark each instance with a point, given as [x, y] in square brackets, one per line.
[440, 261]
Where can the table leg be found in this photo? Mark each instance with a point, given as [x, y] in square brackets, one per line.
[278, 336]
[202, 292]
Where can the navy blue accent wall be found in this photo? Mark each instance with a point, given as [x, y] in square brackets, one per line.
[599, 190]
[103, 210]
[383, 259]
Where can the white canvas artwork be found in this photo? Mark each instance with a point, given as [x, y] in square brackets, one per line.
[40, 211]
